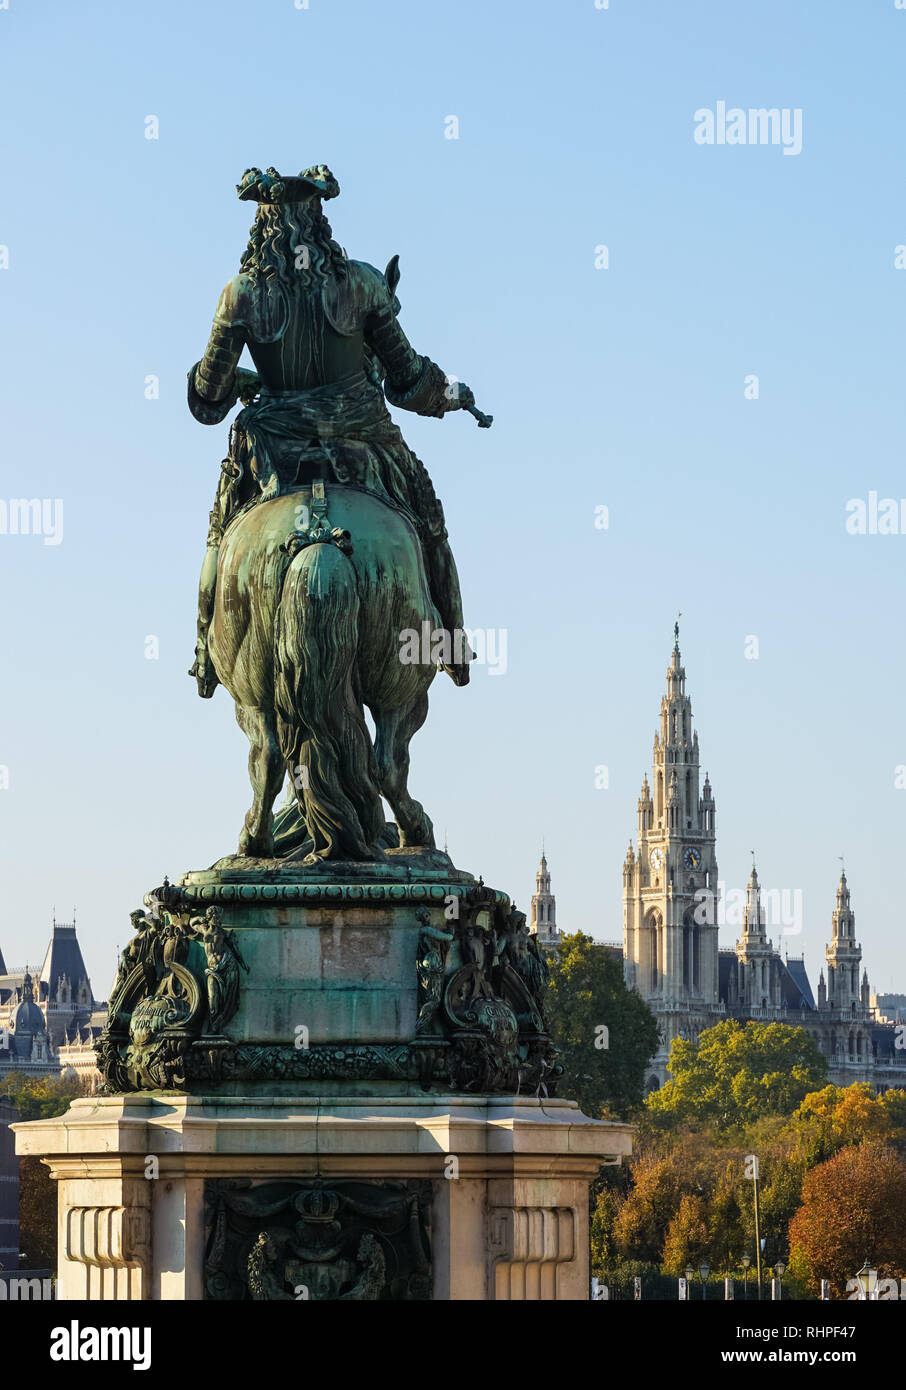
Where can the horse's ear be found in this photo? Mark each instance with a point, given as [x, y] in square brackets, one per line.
[392, 273]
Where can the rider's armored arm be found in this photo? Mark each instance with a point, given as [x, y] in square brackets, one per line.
[413, 382]
[212, 383]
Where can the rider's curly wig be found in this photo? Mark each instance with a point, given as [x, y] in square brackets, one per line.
[291, 243]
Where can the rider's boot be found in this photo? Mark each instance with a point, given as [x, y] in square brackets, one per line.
[445, 592]
[202, 668]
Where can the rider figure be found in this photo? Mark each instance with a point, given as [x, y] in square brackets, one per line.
[323, 334]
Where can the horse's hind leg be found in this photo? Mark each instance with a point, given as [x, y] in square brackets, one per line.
[393, 729]
[266, 772]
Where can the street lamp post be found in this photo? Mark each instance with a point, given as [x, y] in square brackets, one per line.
[746, 1261]
[704, 1270]
[751, 1172]
[779, 1271]
[868, 1282]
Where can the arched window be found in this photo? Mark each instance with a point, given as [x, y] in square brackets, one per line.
[654, 941]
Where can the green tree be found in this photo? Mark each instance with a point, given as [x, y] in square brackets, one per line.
[39, 1098]
[587, 996]
[732, 1074]
[42, 1097]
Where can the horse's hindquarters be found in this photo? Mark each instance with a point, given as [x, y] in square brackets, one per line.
[391, 584]
[303, 636]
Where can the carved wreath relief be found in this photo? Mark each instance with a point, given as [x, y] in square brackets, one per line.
[354, 1241]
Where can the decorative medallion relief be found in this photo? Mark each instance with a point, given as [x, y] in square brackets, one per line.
[350, 1241]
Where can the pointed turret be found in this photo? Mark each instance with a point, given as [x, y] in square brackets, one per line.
[544, 909]
[628, 867]
[844, 954]
[645, 808]
[753, 922]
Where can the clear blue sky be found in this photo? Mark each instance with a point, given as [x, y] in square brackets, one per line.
[621, 387]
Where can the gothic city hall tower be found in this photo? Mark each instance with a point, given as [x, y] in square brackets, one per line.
[670, 948]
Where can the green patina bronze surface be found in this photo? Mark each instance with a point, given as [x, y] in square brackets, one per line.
[336, 950]
[408, 986]
[327, 543]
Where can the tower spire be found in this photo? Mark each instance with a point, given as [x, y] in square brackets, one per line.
[544, 908]
[844, 954]
[670, 948]
[753, 921]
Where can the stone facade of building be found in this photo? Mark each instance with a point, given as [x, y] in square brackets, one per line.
[49, 1023]
[671, 922]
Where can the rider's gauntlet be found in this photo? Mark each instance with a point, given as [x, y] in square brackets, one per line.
[213, 381]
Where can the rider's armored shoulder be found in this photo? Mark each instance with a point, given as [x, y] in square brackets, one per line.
[349, 302]
[251, 308]
[233, 308]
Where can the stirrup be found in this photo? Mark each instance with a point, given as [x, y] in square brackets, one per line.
[458, 672]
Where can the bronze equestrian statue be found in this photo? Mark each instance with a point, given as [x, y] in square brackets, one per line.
[326, 541]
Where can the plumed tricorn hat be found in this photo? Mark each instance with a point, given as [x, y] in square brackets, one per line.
[271, 187]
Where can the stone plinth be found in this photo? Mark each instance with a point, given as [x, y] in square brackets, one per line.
[331, 994]
[391, 978]
[495, 1190]
[326, 1081]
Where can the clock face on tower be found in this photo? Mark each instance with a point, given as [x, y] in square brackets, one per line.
[657, 860]
[692, 859]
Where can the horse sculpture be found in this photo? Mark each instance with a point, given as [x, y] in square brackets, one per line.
[304, 642]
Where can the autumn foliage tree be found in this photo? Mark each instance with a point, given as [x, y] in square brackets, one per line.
[830, 1119]
[683, 1194]
[853, 1209]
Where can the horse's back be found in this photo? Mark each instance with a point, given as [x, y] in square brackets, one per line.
[386, 557]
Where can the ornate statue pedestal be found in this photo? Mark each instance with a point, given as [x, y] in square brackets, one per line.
[330, 1081]
[167, 1196]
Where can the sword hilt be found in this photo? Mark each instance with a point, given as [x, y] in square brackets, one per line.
[484, 421]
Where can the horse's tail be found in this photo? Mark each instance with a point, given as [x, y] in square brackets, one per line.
[320, 721]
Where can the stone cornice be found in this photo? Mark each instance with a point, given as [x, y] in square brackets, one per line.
[334, 893]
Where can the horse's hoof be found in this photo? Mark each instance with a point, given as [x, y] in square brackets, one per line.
[256, 847]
